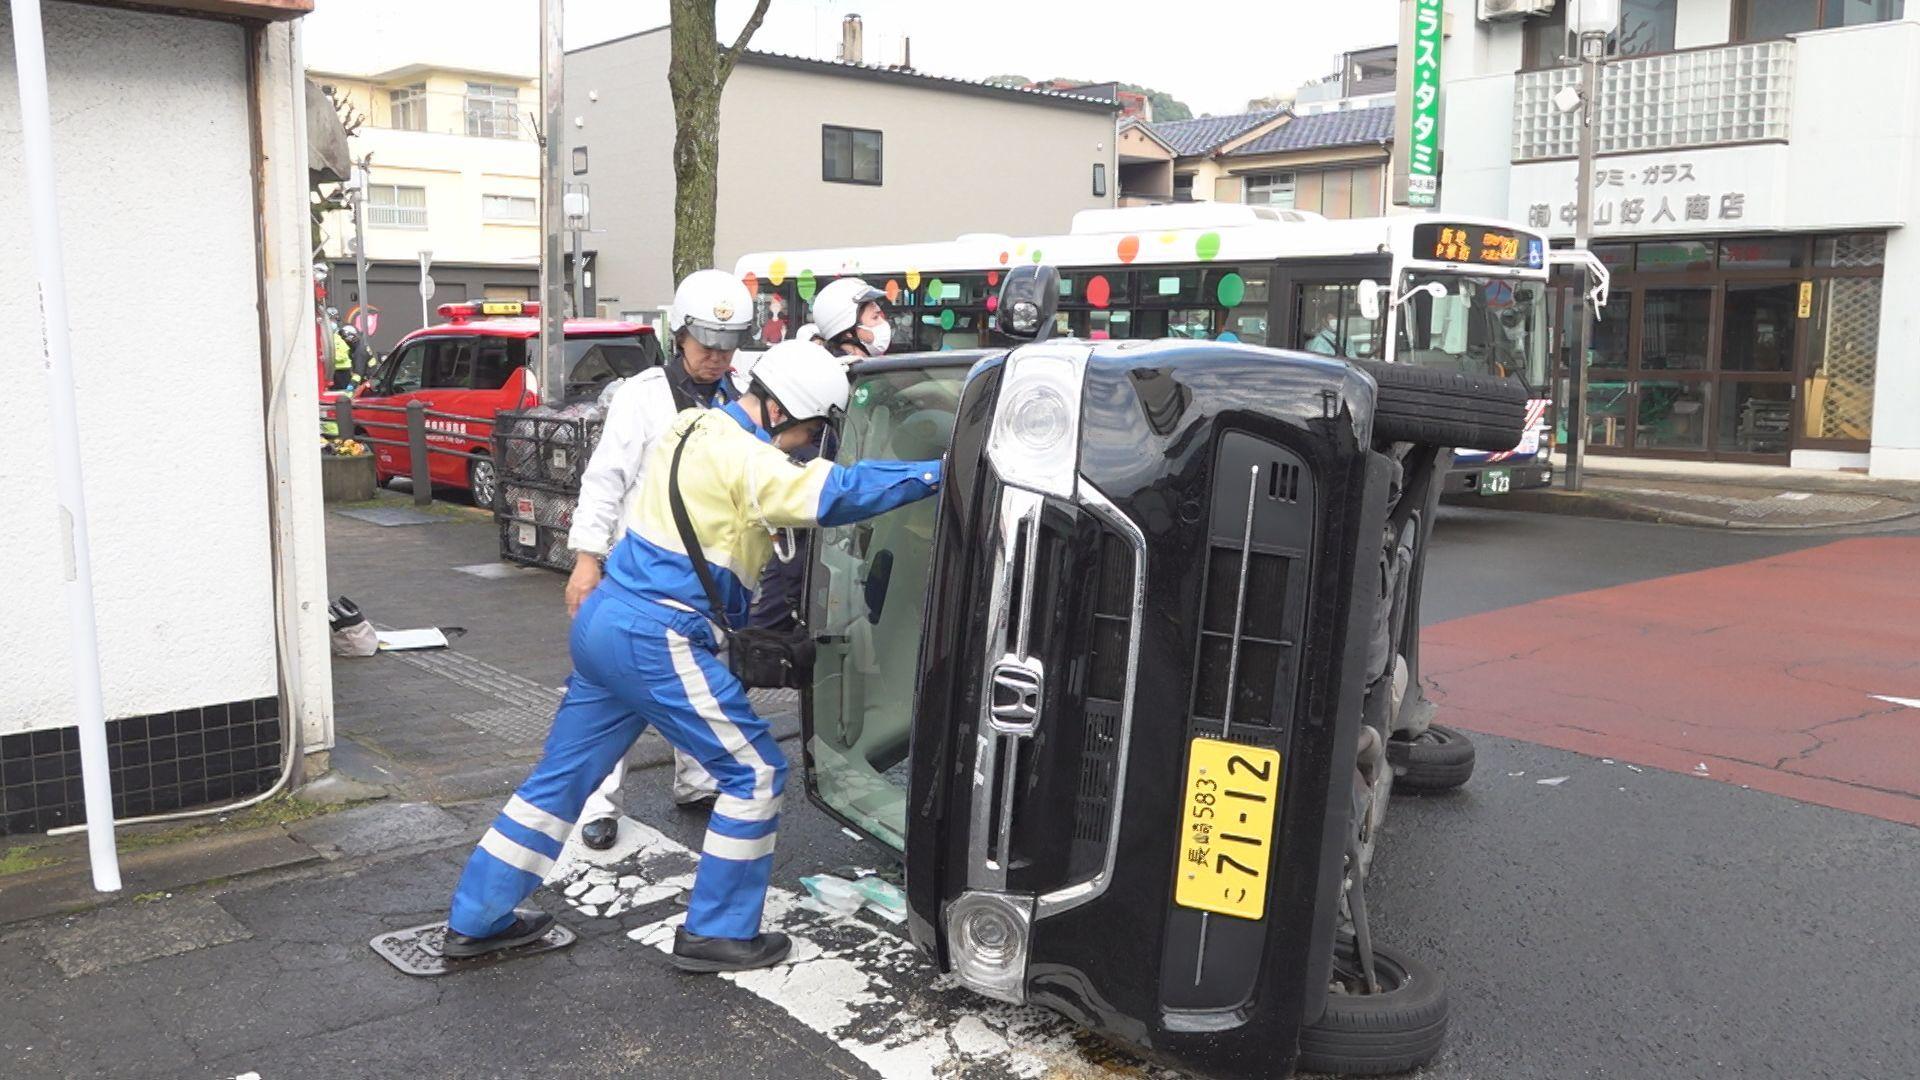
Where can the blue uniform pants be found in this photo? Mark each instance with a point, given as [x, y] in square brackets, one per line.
[637, 663]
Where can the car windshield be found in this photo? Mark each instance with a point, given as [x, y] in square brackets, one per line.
[869, 589]
[593, 362]
[1484, 325]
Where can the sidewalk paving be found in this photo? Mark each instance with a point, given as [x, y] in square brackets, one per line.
[1719, 495]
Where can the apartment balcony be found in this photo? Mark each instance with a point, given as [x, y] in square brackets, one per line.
[1725, 96]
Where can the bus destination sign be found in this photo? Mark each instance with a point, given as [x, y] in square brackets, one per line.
[1479, 245]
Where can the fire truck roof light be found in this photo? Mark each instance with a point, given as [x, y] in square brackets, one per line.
[506, 308]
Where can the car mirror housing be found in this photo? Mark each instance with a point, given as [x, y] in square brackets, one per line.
[1028, 298]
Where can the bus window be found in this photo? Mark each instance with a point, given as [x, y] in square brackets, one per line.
[1328, 321]
[775, 314]
[950, 329]
[1483, 325]
[1096, 288]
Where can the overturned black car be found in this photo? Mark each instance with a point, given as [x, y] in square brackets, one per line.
[1131, 697]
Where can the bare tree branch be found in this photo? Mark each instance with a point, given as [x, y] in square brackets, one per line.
[732, 54]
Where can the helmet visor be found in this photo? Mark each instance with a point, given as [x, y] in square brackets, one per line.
[723, 338]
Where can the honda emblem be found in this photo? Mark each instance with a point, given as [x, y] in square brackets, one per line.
[1016, 695]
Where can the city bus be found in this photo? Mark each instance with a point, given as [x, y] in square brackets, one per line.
[1446, 292]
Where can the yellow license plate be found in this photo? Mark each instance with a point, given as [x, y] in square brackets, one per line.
[1226, 828]
[501, 307]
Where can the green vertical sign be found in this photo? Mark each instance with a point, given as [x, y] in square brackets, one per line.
[1423, 119]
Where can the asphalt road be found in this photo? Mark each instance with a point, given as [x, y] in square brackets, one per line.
[1623, 921]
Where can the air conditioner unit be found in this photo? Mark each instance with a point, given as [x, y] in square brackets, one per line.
[1501, 10]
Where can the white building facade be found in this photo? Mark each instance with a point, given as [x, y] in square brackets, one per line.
[1757, 192]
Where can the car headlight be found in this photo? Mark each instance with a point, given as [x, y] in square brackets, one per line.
[987, 937]
[1035, 441]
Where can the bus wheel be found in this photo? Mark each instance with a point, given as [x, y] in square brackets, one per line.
[483, 483]
[1393, 1030]
[1446, 408]
[1437, 759]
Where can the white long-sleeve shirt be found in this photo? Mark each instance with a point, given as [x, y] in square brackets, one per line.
[642, 408]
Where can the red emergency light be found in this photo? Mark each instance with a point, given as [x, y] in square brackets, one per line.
[460, 313]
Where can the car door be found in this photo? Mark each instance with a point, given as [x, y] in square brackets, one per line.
[866, 600]
[384, 416]
[447, 389]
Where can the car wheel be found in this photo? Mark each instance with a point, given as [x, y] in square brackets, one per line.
[1446, 408]
[1363, 1034]
[483, 483]
[1438, 759]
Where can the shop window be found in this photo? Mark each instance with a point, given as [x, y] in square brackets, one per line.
[1617, 258]
[1845, 348]
[1611, 341]
[1674, 328]
[1609, 410]
[1762, 253]
[1760, 20]
[1673, 415]
[1758, 327]
[849, 155]
[1856, 251]
[1676, 257]
[1755, 417]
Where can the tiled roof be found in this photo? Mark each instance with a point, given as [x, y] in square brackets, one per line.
[904, 75]
[1188, 137]
[1353, 127]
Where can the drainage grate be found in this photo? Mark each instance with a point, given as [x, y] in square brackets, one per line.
[416, 950]
[515, 725]
[1803, 505]
[389, 516]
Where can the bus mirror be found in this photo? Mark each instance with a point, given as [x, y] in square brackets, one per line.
[1028, 297]
[1369, 299]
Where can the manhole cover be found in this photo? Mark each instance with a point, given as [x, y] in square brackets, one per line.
[388, 516]
[416, 950]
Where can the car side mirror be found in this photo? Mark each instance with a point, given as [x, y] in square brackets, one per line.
[1369, 299]
[1028, 298]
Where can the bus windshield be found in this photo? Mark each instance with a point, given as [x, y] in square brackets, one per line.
[1485, 325]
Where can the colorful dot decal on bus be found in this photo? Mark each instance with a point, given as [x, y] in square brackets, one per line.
[993, 304]
[777, 271]
[946, 319]
[805, 282]
[893, 291]
[1020, 250]
[860, 394]
[1207, 246]
[1099, 291]
[1167, 238]
[1036, 255]
[752, 282]
[1129, 248]
[913, 279]
[1232, 290]
[1228, 335]
[936, 291]
[1003, 258]
[993, 276]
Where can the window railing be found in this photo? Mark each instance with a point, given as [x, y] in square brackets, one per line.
[1700, 97]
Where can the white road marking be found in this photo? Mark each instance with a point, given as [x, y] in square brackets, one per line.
[1911, 703]
[863, 986]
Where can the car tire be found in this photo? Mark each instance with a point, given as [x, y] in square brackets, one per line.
[483, 482]
[1446, 408]
[1393, 1031]
[1438, 759]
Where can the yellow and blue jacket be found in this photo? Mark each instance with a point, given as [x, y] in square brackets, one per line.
[738, 488]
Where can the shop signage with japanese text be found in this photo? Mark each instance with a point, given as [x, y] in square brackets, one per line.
[1675, 193]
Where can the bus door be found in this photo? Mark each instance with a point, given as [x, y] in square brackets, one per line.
[1318, 308]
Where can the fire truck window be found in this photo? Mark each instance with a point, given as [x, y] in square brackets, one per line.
[450, 364]
[404, 370]
[495, 360]
[592, 363]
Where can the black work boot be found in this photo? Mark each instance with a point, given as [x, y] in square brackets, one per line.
[600, 833]
[692, 952]
[528, 927]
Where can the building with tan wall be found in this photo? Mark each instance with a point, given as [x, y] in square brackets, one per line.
[817, 153]
[1331, 163]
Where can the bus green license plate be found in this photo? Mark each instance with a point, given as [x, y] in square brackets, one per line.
[1496, 481]
[1226, 828]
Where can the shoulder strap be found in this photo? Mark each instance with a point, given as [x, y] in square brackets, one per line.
[688, 539]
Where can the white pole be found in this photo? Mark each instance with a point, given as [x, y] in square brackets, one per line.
[553, 280]
[36, 137]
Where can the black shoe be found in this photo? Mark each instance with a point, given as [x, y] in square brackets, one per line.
[528, 927]
[691, 952]
[600, 833]
[698, 798]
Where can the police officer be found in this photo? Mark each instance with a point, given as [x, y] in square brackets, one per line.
[850, 320]
[647, 651]
[359, 353]
[711, 317]
[342, 360]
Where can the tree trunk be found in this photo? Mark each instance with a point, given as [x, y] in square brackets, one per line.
[696, 75]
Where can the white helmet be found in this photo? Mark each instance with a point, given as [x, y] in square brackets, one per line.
[804, 378]
[836, 308]
[714, 307]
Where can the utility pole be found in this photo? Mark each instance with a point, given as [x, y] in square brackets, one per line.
[360, 174]
[1593, 20]
[553, 279]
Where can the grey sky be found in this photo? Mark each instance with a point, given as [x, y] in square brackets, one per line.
[1211, 54]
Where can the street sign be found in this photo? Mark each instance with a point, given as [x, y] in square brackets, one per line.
[1423, 119]
[426, 288]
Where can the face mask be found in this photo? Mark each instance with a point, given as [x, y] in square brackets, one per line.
[882, 337]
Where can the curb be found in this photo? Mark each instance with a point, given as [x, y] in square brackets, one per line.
[1599, 505]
